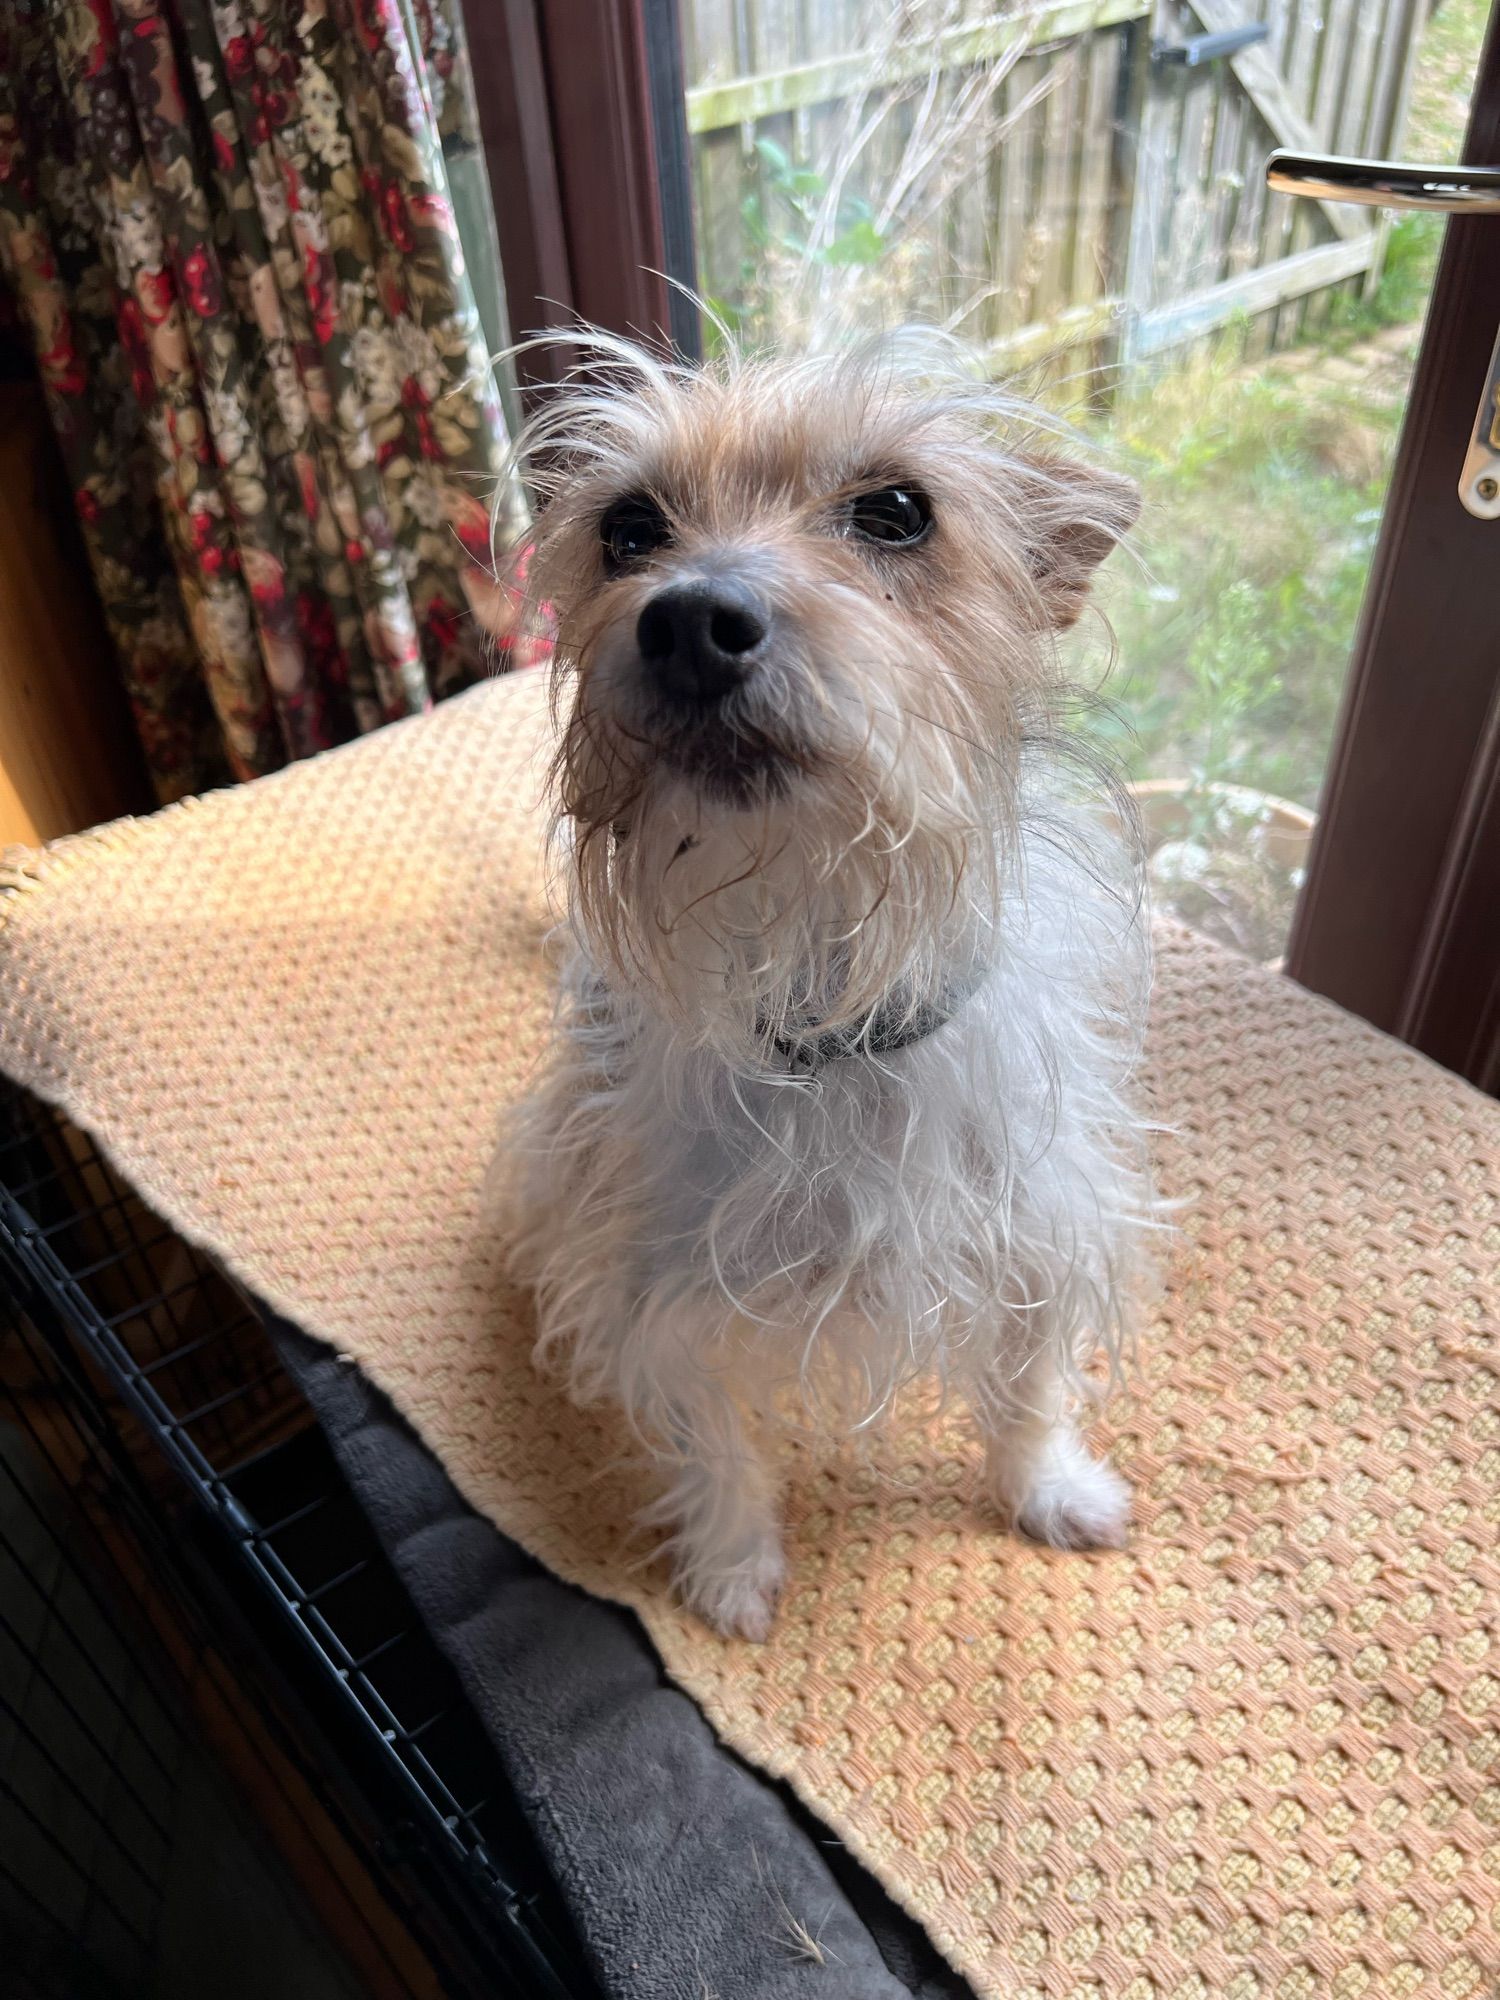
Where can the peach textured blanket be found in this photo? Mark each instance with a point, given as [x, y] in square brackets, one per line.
[1254, 1757]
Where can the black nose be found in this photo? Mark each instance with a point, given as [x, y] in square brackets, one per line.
[700, 641]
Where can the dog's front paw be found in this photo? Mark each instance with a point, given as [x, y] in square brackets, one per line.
[740, 1603]
[1071, 1500]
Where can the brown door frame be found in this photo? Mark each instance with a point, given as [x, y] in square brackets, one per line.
[1453, 1006]
[569, 129]
[1392, 921]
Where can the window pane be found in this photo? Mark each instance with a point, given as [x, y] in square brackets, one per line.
[1080, 191]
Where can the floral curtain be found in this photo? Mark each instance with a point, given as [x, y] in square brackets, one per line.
[226, 225]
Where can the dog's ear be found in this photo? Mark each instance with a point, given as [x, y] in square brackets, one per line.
[1072, 515]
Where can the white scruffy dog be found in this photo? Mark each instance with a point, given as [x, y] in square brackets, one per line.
[857, 968]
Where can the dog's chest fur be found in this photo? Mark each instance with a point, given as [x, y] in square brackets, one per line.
[883, 1214]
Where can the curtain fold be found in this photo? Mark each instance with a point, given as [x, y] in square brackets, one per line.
[227, 228]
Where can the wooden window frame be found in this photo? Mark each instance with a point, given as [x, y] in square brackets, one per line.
[585, 138]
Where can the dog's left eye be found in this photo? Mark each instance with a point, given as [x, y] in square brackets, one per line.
[631, 530]
[895, 515]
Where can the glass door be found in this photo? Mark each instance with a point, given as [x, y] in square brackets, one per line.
[1081, 192]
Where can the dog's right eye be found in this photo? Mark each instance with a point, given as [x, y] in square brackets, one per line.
[899, 516]
[631, 530]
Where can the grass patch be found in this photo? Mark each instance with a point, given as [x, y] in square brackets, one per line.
[1262, 501]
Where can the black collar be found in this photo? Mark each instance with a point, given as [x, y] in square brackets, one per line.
[887, 1028]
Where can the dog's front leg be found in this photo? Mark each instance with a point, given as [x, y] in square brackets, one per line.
[720, 1505]
[1038, 1472]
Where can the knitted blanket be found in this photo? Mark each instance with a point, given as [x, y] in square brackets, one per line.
[1256, 1754]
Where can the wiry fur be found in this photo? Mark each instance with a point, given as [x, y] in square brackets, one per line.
[887, 817]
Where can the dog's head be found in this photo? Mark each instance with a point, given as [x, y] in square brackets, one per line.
[806, 617]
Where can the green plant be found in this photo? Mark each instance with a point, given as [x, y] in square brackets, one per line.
[787, 229]
[785, 212]
[854, 237]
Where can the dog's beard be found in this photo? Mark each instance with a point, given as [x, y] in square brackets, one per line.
[826, 873]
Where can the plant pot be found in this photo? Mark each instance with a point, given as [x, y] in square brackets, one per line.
[1165, 806]
[1226, 858]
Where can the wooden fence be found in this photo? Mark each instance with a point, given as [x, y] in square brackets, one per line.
[1116, 198]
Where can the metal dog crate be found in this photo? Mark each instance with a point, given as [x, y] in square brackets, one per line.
[176, 1539]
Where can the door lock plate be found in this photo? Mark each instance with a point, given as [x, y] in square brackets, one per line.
[1479, 482]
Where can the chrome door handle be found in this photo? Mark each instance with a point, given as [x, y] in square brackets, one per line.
[1387, 183]
[1438, 191]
